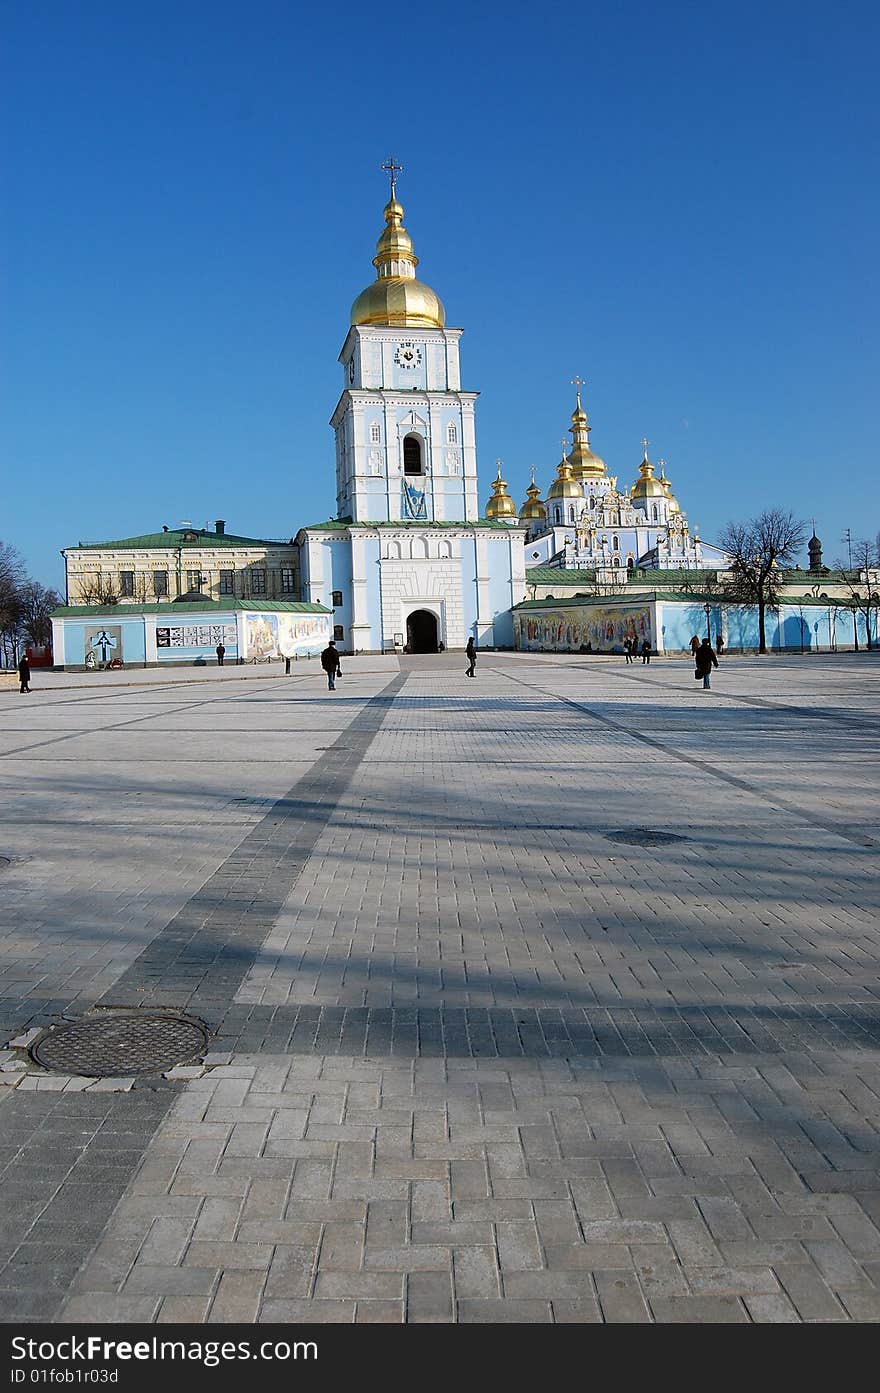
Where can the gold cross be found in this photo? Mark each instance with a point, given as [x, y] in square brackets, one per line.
[393, 170]
[645, 444]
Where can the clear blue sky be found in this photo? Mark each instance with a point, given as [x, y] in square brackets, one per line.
[677, 201]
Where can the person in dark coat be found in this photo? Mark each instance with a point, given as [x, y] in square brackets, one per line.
[695, 645]
[24, 675]
[705, 661]
[330, 664]
[646, 650]
[628, 649]
[471, 652]
[221, 654]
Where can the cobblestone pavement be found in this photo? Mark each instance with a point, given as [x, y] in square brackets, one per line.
[474, 1058]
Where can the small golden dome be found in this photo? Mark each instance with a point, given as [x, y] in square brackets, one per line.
[646, 486]
[395, 297]
[500, 505]
[533, 508]
[673, 504]
[565, 485]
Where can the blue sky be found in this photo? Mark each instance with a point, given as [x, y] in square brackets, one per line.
[679, 202]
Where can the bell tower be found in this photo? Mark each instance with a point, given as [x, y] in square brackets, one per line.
[405, 438]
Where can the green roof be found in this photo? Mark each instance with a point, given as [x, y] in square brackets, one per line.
[558, 575]
[206, 607]
[337, 525]
[182, 537]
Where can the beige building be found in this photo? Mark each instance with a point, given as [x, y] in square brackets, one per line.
[191, 561]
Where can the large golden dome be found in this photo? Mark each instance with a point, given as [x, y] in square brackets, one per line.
[395, 297]
[565, 485]
[584, 463]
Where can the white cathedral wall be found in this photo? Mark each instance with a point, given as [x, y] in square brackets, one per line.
[419, 582]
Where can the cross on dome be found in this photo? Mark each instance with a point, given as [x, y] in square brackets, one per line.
[578, 382]
[393, 171]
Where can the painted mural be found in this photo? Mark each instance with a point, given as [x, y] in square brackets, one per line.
[598, 629]
[284, 635]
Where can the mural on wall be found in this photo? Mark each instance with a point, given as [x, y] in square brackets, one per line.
[195, 636]
[597, 628]
[284, 635]
[103, 643]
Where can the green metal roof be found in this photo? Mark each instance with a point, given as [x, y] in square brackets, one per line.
[206, 607]
[179, 537]
[557, 575]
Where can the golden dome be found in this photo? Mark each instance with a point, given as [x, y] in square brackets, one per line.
[647, 486]
[673, 504]
[533, 508]
[500, 505]
[395, 297]
[584, 463]
[565, 485]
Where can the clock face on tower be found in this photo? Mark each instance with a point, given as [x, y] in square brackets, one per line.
[408, 355]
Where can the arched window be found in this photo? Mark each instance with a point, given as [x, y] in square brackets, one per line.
[656, 513]
[558, 512]
[452, 434]
[615, 544]
[375, 435]
[629, 563]
[412, 455]
[592, 501]
[571, 514]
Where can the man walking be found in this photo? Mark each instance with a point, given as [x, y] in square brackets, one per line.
[24, 676]
[471, 653]
[628, 645]
[330, 664]
[221, 654]
[705, 661]
[646, 650]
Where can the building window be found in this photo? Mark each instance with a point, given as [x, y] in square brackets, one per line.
[338, 633]
[629, 563]
[194, 580]
[258, 582]
[337, 599]
[288, 584]
[126, 583]
[227, 582]
[452, 434]
[615, 544]
[375, 433]
[412, 455]
[160, 582]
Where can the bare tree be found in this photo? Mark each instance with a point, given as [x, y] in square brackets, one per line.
[758, 551]
[12, 577]
[855, 575]
[97, 589]
[37, 604]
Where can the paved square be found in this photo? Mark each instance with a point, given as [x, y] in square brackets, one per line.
[473, 1058]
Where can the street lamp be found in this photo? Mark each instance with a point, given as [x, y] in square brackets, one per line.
[707, 608]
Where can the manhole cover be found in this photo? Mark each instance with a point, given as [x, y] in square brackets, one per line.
[644, 836]
[121, 1044]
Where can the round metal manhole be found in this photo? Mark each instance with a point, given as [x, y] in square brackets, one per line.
[644, 836]
[117, 1045]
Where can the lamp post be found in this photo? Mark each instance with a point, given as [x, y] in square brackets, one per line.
[707, 608]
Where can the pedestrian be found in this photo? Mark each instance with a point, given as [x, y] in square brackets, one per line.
[628, 645]
[646, 650]
[719, 644]
[24, 676]
[221, 654]
[330, 664]
[695, 644]
[471, 653]
[287, 666]
[705, 661]
[441, 647]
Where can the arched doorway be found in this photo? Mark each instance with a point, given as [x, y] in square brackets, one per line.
[421, 631]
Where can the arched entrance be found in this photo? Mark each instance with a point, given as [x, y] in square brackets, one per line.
[421, 631]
